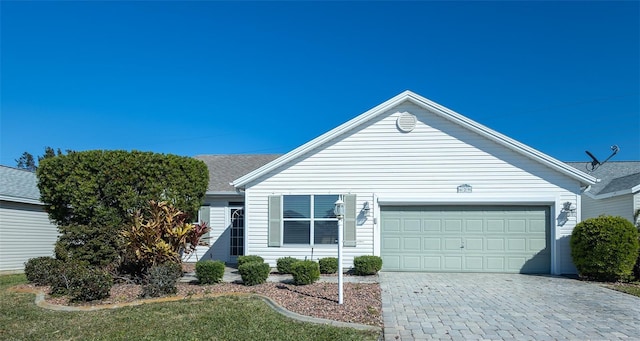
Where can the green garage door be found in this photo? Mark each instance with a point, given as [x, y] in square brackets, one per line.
[466, 239]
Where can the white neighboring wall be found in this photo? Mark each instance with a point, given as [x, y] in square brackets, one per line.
[427, 165]
[622, 205]
[25, 232]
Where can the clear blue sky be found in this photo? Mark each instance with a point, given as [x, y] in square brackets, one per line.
[194, 78]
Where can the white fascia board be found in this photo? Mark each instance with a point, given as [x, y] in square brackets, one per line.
[435, 108]
[635, 189]
[20, 200]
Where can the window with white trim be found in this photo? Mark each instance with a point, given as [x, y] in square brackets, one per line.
[309, 219]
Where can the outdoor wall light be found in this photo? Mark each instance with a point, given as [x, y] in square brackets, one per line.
[366, 208]
[338, 208]
[569, 209]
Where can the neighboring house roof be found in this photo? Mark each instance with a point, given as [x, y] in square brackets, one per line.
[19, 185]
[616, 178]
[436, 109]
[225, 168]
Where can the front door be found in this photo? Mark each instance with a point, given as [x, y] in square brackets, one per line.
[236, 244]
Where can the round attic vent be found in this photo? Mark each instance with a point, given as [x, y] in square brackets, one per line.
[406, 122]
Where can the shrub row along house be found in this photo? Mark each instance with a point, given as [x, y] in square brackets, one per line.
[425, 188]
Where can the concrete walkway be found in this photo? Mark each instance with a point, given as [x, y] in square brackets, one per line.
[433, 306]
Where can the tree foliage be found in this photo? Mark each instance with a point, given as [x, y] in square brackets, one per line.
[91, 195]
[26, 162]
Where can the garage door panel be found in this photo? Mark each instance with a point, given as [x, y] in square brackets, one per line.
[452, 263]
[412, 263]
[412, 225]
[411, 244]
[475, 239]
[495, 225]
[517, 245]
[495, 244]
[474, 263]
[452, 244]
[453, 225]
[432, 244]
[473, 226]
[432, 263]
[430, 225]
[391, 225]
[495, 264]
[391, 244]
[517, 226]
[474, 244]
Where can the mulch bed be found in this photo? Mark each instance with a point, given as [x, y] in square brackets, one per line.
[362, 302]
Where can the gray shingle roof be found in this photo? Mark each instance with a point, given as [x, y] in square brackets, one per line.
[614, 175]
[223, 169]
[19, 184]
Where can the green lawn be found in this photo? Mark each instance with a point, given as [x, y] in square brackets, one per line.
[629, 288]
[224, 318]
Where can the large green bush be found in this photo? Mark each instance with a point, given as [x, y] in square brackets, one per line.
[209, 271]
[328, 265]
[89, 284]
[254, 273]
[367, 265]
[284, 264]
[90, 195]
[605, 248]
[80, 281]
[305, 272]
[249, 259]
[40, 269]
[162, 280]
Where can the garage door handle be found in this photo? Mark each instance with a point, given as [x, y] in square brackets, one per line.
[462, 246]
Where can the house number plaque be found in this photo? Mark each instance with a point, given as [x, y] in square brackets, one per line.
[465, 188]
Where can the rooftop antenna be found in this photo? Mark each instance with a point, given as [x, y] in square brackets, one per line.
[594, 164]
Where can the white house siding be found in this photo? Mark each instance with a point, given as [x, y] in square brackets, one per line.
[621, 205]
[25, 233]
[423, 166]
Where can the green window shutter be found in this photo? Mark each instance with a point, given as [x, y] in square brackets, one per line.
[350, 220]
[205, 216]
[275, 211]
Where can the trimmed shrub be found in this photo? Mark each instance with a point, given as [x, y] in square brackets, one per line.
[305, 272]
[254, 273]
[284, 264]
[162, 280]
[89, 284]
[367, 265]
[605, 248]
[209, 271]
[328, 265]
[249, 259]
[39, 270]
[80, 281]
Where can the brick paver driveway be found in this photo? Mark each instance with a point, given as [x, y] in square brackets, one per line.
[427, 306]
